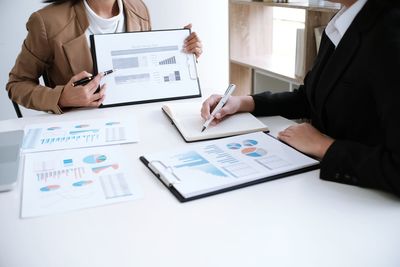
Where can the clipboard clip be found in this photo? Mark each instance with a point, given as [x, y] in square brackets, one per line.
[191, 67]
[167, 176]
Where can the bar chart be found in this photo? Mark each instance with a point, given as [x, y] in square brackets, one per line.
[168, 61]
[175, 76]
[73, 173]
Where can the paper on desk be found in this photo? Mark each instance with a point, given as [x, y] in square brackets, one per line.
[60, 181]
[223, 163]
[76, 134]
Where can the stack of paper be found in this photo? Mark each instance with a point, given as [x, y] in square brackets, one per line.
[71, 165]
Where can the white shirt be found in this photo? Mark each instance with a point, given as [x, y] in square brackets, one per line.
[338, 26]
[99, 25]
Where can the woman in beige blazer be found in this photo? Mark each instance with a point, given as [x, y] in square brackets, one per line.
[57, 48]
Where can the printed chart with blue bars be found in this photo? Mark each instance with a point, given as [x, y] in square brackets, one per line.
[194, 160]
[41, 137]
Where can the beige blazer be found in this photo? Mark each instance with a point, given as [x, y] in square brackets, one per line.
[56, 46]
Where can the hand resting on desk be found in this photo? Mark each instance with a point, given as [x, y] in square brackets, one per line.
[303, 137]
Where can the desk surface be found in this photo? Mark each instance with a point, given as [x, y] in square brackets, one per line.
[295, 221]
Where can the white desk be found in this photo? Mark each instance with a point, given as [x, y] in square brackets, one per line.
[295, 221]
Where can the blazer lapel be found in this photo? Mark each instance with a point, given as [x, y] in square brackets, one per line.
[77, 50]
[132, 24]
[78, 55]
[325, 52]
[137, 17]
[342, 56]
[81, 17]
[335, 67]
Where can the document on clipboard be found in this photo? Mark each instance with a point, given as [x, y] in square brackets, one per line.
[226, 164]
[149, 66]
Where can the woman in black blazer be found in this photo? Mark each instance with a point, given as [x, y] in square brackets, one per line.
[352, 99]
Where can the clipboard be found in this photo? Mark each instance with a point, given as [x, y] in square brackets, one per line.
[170, 184]
[150, 66]
[174, 181]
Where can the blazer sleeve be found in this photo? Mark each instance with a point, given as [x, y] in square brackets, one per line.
[139, 13]
[23, 85]
[291, 105]
[375, 166]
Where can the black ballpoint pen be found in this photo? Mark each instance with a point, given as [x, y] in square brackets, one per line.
[88, 79]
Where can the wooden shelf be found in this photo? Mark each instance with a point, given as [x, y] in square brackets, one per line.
[252, 26]
[320, 7]
[278, 66]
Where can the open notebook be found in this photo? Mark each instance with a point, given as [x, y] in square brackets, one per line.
[186, 117]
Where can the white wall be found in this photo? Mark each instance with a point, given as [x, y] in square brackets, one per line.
[12, 34]
[209, 18]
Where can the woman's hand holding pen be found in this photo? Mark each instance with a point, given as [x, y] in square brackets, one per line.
[82, 95]
[193, 43]
[234, 105]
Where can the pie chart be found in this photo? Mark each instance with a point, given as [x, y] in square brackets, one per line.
[234, 146]
[250, 142]
[82, 183]
[103, 168]
[254, 152]
[49, 188]
[93, 159]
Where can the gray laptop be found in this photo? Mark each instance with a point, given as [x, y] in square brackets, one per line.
[10, 144]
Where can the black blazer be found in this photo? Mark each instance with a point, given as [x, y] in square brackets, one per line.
[352, 94]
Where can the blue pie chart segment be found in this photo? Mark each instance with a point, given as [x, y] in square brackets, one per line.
[254, 152]
[250, 142]
[82, 183]
[93, 159]
[234, 146]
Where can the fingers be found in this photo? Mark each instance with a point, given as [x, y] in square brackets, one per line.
[92, 86]
[294, 130]
[195, 48]
[80, 75]
[83, 95]
[222, 113]
[285, 134]
[97, 103]
[281, 136]
[291, 130]
[192, 38]
[193, 45]
[220, 117]
[208, 105]
[98, 98]
[231, 106]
